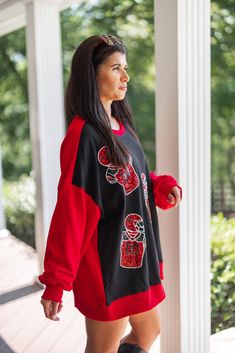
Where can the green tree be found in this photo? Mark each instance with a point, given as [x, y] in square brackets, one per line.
[14, 123]
[222, 272]
[130, 20]
[223, 103]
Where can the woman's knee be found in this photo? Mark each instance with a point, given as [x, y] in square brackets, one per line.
[149, 334]
[145, 328]
[104, 337]
[102, 348]
[144, 339]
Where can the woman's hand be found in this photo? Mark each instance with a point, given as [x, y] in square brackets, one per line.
[51, 309]
[174, 196]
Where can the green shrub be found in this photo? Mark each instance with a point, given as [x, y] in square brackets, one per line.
[222, 272]
[19, 204]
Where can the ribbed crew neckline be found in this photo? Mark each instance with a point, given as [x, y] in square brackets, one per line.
[121, 129]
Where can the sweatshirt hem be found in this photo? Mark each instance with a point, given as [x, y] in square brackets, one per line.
[123, 307]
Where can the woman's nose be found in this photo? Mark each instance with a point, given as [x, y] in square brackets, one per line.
[125, 77]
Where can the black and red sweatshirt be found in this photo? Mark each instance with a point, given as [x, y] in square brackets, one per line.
[103, 241]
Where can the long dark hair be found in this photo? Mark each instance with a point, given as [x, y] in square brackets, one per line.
[82, 98]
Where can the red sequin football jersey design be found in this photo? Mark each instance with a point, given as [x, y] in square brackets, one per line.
[133, 242]
[126, 177]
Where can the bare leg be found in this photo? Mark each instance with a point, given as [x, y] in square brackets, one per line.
[145, 329]
[104, 336]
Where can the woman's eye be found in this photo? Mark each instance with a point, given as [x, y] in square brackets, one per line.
[118, 68]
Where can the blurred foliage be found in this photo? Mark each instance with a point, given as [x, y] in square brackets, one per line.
[223, 102]
[19, 207]
[14, 126]
[133, 21]
[130, 20]
[222, 272]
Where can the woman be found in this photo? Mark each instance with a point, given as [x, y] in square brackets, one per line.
[103, 241]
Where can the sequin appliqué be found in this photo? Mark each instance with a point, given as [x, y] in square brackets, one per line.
[133, 243]
[125, 176]
[145, 188]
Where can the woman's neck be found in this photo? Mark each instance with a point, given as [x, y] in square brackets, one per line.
[107, 107]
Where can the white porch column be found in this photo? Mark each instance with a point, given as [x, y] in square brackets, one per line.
[46, 108]
[183, 150]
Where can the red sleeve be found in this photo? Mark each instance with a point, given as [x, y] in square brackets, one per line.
[73, 223]
[161, 186]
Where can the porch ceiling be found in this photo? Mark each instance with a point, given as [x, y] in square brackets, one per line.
[12, 14]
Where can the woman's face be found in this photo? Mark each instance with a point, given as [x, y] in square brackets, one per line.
[112, 78]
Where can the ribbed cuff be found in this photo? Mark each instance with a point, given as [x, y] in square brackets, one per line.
[54, 293]
[168, 184]
[162, 185]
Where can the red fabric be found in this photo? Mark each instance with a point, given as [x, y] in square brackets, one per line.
[89, 294]
[52, 292]
[94, 306]
[161, 270]
[70, 229]
[72, 258]
[126, 306]
[70, 232]
[161, 186]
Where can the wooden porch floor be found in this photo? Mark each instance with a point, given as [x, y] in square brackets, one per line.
[23, 327]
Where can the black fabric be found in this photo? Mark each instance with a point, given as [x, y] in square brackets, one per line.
[128, 234]
[130, 348]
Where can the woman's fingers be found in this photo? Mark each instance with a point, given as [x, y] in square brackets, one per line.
[171, 198]
[46, 307]
[54, 311]
[60, 307]
[174, 196]
[51, 308]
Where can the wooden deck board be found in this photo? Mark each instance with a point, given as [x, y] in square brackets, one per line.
[23, 326]
[76, 328]
[51, 332]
